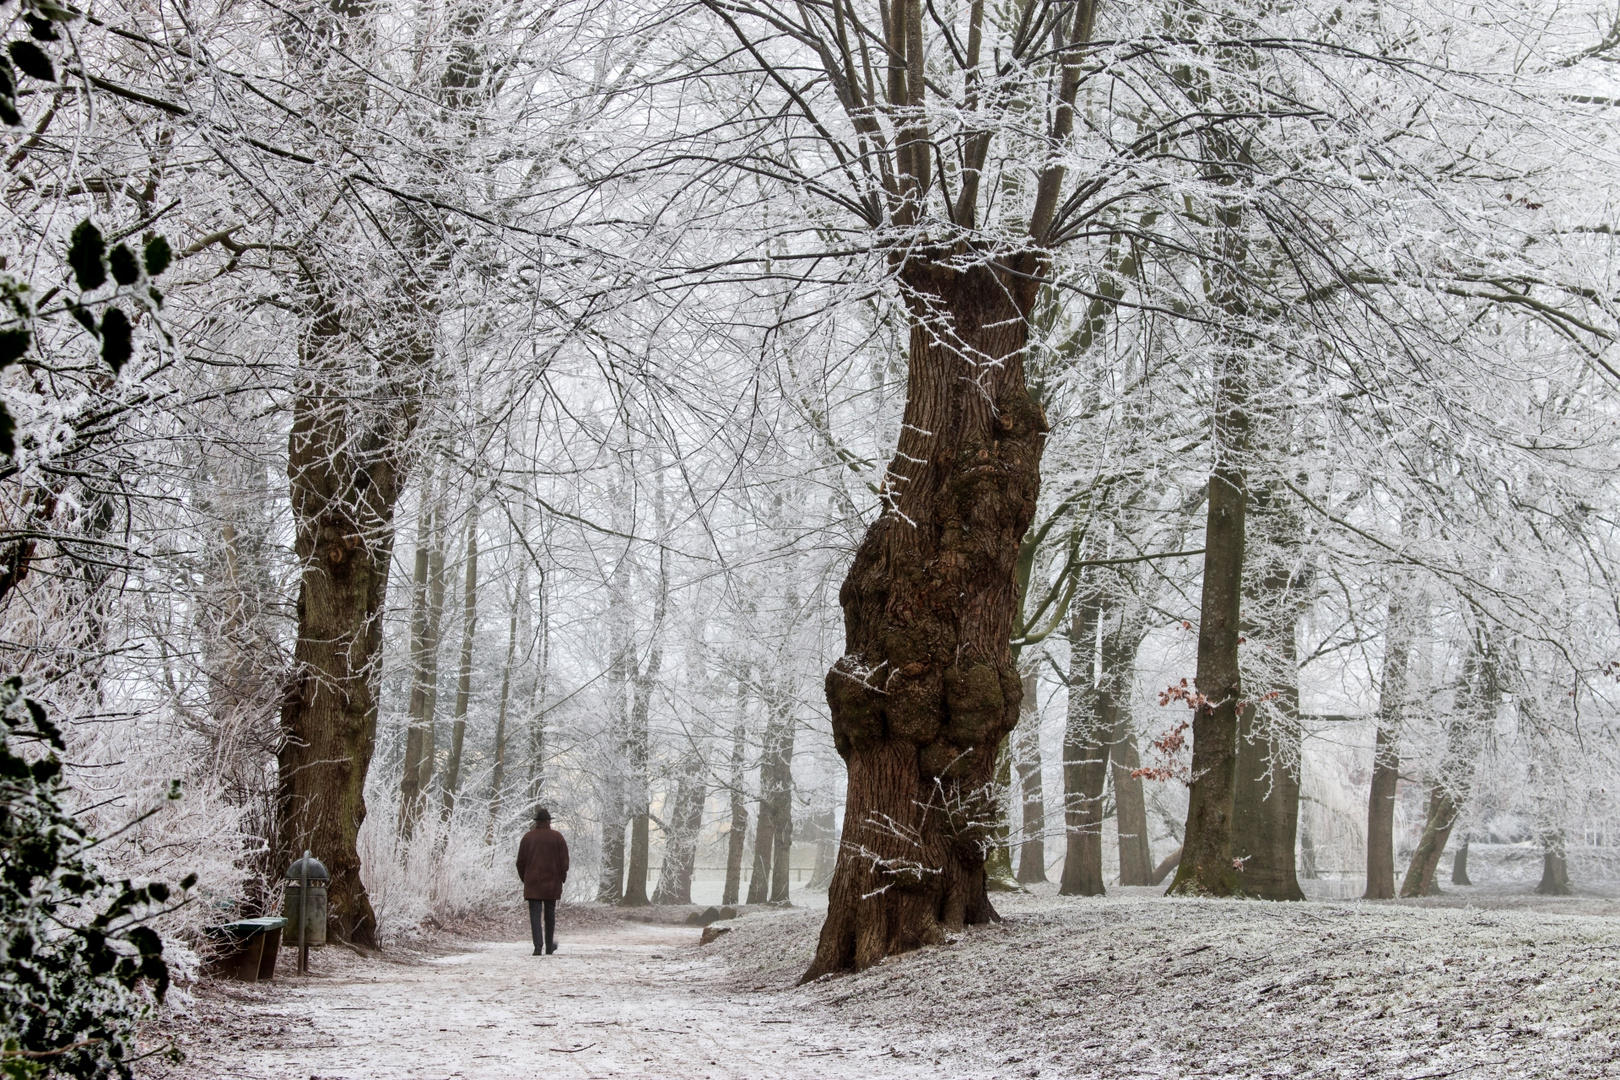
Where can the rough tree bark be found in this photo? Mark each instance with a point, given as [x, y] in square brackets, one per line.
[1027, 744]
[927, 688]
[1387, 754]
[610, 881]
[640, 746]
[497, 779]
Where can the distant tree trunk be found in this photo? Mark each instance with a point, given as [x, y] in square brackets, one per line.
[640, 746]
[1459, 864]
[1387, 754]
[1032, 849]
[737, 838]
[681, 836]
[427, 608]
[410, 784]
[1477, 699]
[1130, 807]
[1162, 871]
[759, 880]
[1554, 866]
[345, 464]
[1307, 855]
[497, 779]
[1206, 863]
[998, 867]
[927, 688]
[782, 792]
[615, 811]
[1085, 755]
[469, 625]
[825, 825]
[537, 700]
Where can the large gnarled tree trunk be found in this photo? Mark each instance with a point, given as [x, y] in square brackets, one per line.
[345, 464]
[927, 688]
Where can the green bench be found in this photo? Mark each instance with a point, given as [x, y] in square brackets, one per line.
[245, 950]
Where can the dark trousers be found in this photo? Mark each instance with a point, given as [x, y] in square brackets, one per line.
[543, 922]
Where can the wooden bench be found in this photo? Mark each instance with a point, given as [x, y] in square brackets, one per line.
[246, 950]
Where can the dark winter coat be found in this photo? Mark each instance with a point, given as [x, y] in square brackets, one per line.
[542, 863]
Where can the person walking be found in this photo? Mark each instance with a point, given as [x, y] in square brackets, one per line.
[542, 863]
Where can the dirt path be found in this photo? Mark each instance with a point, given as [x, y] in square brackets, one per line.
[628, 1000]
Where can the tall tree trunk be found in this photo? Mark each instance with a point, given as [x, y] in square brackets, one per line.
[737, 838]
[1027, 742]
[1206, 860]
[1085, 755]
[469, 625]
[927, 687]
[1265, 811]
[1387, 754]
[345, 464]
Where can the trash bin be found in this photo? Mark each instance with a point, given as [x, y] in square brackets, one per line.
[305, 912]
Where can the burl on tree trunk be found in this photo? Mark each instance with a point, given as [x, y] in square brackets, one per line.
[927, 688]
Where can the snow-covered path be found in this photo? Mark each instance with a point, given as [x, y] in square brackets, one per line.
[623, 1000]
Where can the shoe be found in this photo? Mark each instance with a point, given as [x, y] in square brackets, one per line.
[539, 952]
[551, 948]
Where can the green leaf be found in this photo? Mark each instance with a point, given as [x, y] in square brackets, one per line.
[31, 60]
[158, 256]
[125, 270]
[188, 881]
[41, 29]
[82, 316]
[157, 300]
[85, 252]
[117, 339]
[13, 344]
[56, 12]
[8, 430]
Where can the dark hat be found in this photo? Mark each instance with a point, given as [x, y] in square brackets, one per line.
[542, 814]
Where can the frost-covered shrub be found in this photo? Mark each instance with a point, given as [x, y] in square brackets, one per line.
[80, 967]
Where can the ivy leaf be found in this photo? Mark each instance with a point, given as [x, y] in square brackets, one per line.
[83, 317]
[55, 12]
[8, 94]
[158, 256]
[8, 432]
[125, 270]
[31, 60]
[117, 339]
[40, 29]
[13, 344]
[85, 252]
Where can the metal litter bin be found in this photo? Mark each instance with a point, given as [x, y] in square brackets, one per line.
[304, 904]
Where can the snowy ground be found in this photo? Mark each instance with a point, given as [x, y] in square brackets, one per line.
[1475, 984]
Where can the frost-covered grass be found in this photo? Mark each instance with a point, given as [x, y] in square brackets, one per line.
[1138, 985]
